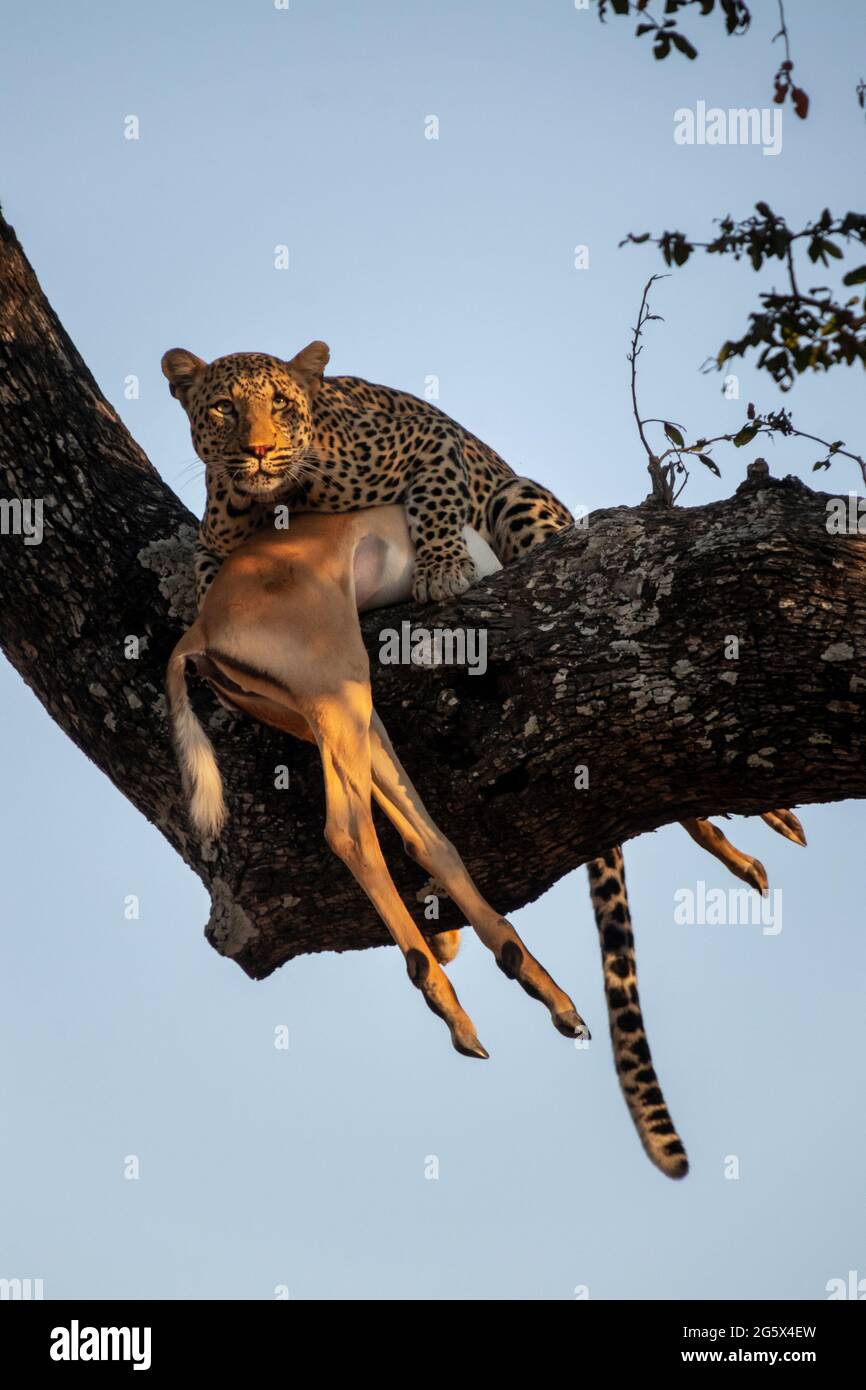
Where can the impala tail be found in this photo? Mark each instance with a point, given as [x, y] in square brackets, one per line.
[631, 1052]
[195, 755]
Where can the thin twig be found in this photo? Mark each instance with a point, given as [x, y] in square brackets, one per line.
[783, 32]
[790, 258]
[825, 444]
[661, 488]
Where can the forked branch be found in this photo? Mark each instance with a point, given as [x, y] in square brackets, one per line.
[606, 648]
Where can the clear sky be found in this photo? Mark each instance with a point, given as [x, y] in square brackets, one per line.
[414, 257]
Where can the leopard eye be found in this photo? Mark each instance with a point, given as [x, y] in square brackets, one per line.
[224, 407]
[280, 401]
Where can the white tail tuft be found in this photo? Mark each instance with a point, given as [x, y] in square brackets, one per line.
[198, 764]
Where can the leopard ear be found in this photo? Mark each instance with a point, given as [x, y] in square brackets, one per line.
[181, 368]
[309, 364]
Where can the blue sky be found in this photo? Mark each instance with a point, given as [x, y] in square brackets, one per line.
[305, 1168]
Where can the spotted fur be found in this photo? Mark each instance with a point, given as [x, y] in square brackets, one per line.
[274, 432]
[640, 1085]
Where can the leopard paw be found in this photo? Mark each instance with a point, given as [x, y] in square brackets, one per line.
[439, 579]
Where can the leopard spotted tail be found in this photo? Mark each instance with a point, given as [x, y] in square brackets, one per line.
[631, 1052]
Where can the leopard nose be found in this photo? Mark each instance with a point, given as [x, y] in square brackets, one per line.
[259, 451]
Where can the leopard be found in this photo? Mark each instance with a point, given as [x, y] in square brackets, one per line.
[280, 434]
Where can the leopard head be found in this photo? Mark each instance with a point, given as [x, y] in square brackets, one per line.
[250, 415]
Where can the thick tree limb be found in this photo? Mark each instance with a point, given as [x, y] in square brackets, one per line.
[605, 648]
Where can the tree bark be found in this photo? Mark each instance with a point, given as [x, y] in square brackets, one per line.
[608, 648]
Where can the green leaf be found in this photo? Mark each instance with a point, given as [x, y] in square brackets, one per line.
[710, 463]
[745, 435]
[855, 277]
[684, 46]
[781, 241]
[674, 435]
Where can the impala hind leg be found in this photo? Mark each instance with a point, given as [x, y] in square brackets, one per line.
[425, 843]
[743, 866]
[785, 823]
[344, 747]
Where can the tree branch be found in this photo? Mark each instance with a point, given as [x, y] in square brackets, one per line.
[605, 647]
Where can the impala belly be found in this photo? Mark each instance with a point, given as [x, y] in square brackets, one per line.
[384, 561]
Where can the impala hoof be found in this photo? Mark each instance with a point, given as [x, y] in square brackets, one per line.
[796, 833]
[471, 1047]
[571, 1025]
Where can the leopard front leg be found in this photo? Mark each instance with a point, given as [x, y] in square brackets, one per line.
[206, 563]
[438, 507]
[226, 524]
